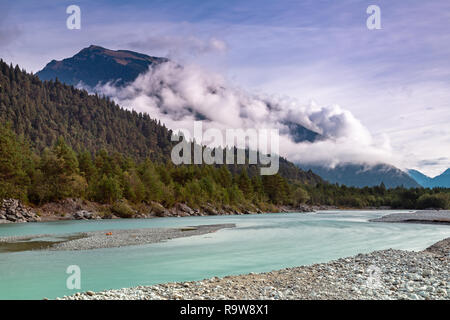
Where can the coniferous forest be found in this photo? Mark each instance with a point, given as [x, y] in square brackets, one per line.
[59, 142]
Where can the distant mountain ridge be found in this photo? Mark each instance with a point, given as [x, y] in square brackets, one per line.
[364, 175]
[442, 180]
[96, 64]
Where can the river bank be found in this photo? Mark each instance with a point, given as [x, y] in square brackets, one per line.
[12, 211]
[386, 274]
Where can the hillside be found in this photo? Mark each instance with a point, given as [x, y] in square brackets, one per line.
[45, 111]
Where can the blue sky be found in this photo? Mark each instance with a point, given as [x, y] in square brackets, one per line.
[394, 80]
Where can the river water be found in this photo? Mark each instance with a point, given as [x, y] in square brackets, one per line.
[259, 243]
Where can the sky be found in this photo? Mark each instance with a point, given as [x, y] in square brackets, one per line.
[390, 85]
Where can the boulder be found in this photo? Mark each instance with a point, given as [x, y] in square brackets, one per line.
[185, 209]
[209, 210]
[83, 215]
[178, 213]
[12, 210]
[159, 211]
[11, 217]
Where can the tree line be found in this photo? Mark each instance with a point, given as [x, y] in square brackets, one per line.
[379, 196]
[59, 172]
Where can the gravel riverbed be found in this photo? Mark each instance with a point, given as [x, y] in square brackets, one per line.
[387, 274]
[422, 216]
[107, 238]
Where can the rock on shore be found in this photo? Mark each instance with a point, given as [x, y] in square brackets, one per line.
[81, 209]
[12, 210]
[387, 274]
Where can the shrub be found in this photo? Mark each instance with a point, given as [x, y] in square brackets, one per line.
[437, 201]
[122, 209]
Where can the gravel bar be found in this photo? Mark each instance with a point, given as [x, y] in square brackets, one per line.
[387, 275]
[114, 238]
[424, 216]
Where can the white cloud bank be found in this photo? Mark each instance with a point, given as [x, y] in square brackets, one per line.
[179, 95]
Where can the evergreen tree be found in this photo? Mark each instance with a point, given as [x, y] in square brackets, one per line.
[106, 190]
[14, 160]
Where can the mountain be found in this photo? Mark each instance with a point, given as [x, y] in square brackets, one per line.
[420, 178]
[44, 111]
[299, 133]
[96, 64]
[361, 175]
[442, 180]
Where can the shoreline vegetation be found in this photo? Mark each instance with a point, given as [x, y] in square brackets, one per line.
[386, 274]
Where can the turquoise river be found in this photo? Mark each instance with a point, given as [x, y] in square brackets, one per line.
[259, 243]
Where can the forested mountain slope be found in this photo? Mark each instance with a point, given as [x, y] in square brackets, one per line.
[43, 111]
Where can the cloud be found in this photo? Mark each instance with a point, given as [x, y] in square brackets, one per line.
[8, 33]
[322, 51]
[179, 95]
[179, 45]
[433, 162]
[7, 36]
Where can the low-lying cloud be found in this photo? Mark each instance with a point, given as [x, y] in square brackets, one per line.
[179, 95]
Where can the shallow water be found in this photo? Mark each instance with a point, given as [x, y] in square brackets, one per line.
[258, 243]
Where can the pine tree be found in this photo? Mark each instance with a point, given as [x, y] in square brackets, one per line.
[245, 184]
